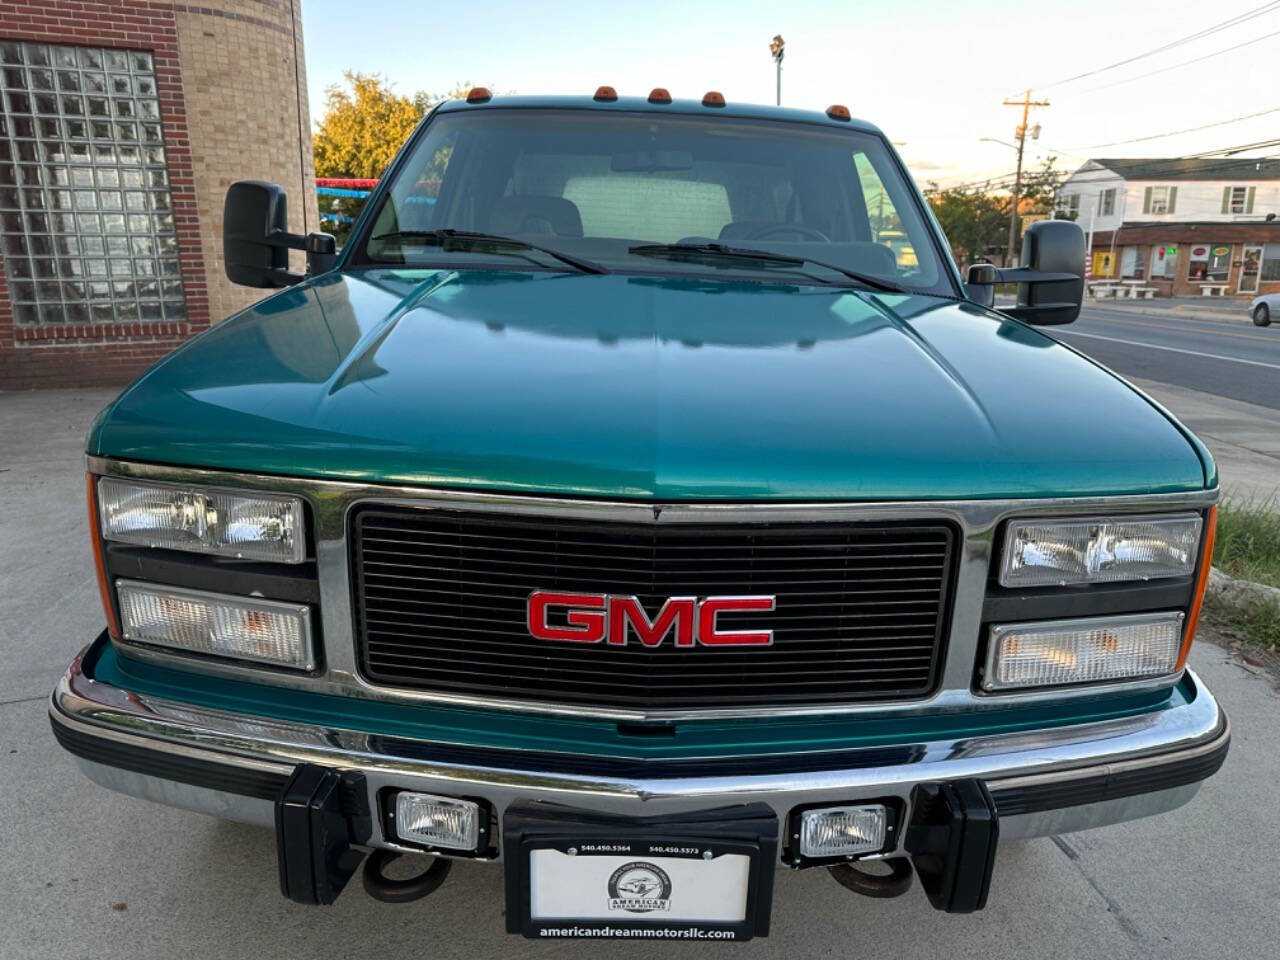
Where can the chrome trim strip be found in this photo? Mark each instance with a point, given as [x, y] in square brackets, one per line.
[332, 500]
[1052, 755]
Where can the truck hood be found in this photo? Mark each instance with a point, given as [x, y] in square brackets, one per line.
[646, 387]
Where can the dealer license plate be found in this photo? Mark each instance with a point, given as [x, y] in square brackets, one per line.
[650, 889]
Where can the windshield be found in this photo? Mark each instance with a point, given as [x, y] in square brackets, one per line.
[618, 189]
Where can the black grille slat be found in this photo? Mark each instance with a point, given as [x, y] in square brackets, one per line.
[440, 598]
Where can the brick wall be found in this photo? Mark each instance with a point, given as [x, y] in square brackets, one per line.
[1187, 235]
[248, 118]
[227, 72]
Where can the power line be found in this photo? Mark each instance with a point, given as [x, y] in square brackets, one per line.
[1184, 63]
[1207, 31]
[1174, 133]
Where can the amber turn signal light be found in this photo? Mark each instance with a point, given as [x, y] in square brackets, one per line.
[838, 111]
[713, 99]
[659, 95]
[99, 561]
[1202, 582]
[479, 95]
[606, 94]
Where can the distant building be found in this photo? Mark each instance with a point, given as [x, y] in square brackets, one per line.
[1179, 224]
[122, 122]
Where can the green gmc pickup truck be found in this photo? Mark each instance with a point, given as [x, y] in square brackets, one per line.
[642, 502]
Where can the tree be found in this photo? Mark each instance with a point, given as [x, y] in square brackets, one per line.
[364, 124]
[362, 127]
[976, 221]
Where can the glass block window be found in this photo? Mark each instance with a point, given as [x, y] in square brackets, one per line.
[86, 219]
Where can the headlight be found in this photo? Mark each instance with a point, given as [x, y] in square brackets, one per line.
[1039, 553]
[246, 628]
[1088, 650]
[244, 525]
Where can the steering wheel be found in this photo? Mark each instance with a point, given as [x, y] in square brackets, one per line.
[792, 228]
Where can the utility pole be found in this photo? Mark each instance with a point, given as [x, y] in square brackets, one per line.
[776, 48]
[1026, 103]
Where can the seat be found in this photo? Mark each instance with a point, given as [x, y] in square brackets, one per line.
[550, 215]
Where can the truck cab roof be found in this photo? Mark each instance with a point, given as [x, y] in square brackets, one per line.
[752, 111]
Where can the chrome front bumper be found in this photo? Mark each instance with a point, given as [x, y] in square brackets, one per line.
[1045, 782]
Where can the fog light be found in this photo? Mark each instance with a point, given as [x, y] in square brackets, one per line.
[437, 821]
[842, 831]
[226, 626]
[1089, 650]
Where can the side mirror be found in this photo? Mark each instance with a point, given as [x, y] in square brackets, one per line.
[1054, 250]
[1050, 280]
[983, 278]
[256, 240]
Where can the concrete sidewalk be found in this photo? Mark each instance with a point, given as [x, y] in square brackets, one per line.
[1215, 309]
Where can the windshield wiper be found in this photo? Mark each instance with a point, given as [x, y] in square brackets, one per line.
[761, 256]
[449, 237]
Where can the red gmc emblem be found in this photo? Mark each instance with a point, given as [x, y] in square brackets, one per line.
[595, 617]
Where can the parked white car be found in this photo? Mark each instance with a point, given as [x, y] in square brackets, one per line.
[1263, 308]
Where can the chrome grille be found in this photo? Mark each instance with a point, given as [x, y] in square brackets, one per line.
[441, 605]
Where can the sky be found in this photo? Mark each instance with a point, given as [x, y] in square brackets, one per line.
[932, 75]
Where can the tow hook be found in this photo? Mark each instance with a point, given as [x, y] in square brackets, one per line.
[880, 885]
[381, 887]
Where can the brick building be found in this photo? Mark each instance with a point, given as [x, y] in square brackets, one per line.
[1181, 226]
[124, 121]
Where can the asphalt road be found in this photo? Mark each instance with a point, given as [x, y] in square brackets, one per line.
[1241, 362]
[93, 875]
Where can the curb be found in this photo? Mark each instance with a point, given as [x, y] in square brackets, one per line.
[1181, 311]
[1240, 592]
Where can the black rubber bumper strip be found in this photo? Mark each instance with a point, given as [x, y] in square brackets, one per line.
[226, 777]
[1035, 798]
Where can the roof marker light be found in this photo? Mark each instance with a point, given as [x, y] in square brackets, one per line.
[713, 99]
[607, 94]
[659, 95]
[838, 111]
[479, 95]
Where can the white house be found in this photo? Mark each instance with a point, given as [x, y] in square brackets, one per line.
[1180, 224]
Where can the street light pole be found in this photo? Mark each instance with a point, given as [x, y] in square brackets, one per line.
[776, 48]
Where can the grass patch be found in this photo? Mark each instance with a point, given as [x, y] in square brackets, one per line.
[1248, 548]
[1248, 541]
[1256, 623]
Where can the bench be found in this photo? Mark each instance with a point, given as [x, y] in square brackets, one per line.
[1207, 289]
[1100, 290]
[1145, 292]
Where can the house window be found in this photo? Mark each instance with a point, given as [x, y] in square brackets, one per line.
[1237, 199]
[86, 219]
[1271, 261]
[1209, 263]
[1159, 200]
[1069, 204]
[1107, 203]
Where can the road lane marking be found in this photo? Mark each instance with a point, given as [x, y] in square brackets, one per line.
[1154, 346]
[1161, 326]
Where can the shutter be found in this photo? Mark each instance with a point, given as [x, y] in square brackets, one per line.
[1248, 200]
[1226, 199]
[1173, 199]
[1146, 200]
